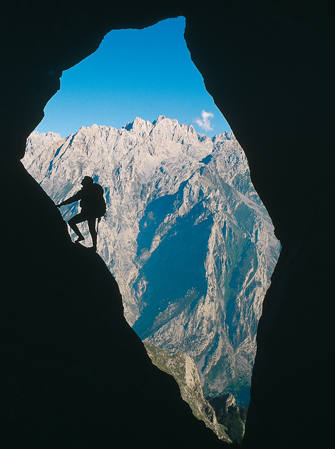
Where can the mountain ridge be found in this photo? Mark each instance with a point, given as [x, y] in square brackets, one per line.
[134, 124]
[165, 185]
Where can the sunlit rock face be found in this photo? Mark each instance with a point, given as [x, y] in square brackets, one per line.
[186, 236]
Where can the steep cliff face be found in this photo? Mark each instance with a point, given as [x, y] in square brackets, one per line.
[184, 370]
[181, 206]
[71, 364]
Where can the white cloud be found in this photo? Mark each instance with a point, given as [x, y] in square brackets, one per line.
[205, 121]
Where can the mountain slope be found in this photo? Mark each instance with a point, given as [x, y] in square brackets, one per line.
[188, 240]
[68, 354]
[184, 370]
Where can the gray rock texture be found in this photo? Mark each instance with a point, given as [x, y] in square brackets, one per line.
[186, 236]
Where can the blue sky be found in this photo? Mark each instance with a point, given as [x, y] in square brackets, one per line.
[144, 73]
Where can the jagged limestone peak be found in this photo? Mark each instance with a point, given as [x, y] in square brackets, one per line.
[186, 236]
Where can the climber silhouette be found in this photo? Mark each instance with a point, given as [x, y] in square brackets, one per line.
[93, 207]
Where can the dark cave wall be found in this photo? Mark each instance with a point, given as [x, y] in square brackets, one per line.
[269, 67]
[271, 76]
[40, 40]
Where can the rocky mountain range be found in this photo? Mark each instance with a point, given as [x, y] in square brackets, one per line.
[185, 235]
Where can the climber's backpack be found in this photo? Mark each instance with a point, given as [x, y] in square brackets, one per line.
[101, 203]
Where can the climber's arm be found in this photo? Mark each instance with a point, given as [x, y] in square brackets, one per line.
[70, 200]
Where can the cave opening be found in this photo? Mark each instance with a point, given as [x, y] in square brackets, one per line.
[186, 236]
